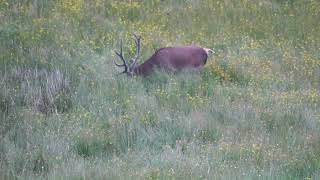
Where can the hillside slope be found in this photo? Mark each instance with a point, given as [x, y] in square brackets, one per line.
[252, 113]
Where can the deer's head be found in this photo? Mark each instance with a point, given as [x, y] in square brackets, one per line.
[129, 68]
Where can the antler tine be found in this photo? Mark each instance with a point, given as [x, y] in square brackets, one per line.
[125, 65]
[137, 43]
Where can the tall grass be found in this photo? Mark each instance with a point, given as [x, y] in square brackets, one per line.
[252, 113]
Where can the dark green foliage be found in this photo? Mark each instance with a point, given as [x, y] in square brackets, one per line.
[209, 135]
[40, 164]
[94, 146]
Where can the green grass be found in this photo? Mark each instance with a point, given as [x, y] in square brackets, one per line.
[252, 113]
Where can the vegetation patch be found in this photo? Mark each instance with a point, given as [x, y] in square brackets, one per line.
[251, 113]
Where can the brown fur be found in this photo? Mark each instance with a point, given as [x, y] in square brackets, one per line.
[174, 59]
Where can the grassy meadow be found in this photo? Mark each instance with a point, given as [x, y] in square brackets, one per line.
[252, 113]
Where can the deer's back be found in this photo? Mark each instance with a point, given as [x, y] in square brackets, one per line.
[178, 58]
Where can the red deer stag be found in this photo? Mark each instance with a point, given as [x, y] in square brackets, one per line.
[173, 59]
